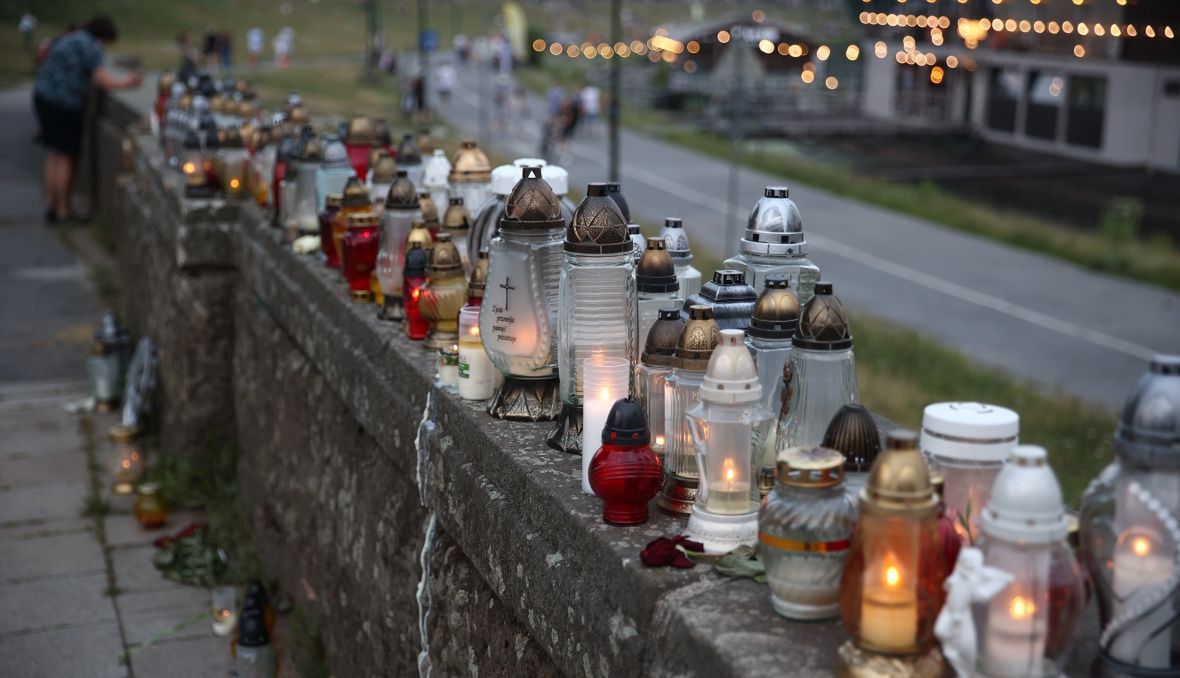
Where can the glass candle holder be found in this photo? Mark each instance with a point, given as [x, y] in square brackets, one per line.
[625, 472]
[656, 286]
[354, 200]
[443, 296]
[286, 151]
[306, 207]
[655, 366]
[968, 444]
[151, 511]
[435, 173]
[414, 274]
[233, 166]
[471, 175]
[429, 213]
[400, 215]
[448, 368]
[477, 379]
[456, 222]
[334, 172]
[192, 167]
[731, 299]
[223, 607]
[409, 158]
[607, 379]
[327, 244]
[804, 533]
[359, 246]
[126, 460]
[772, 325]
[687, 276]
[254, 657]
[262, 167]
[774, 243]
[107, 362]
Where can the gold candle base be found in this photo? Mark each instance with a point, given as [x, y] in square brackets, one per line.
[123, 488]
[856, 662]
[678, 494]
[362, 296]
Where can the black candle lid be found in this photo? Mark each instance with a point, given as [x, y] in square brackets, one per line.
[626, 425]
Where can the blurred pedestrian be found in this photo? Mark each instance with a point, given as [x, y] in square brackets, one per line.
[188, 58]
[255, 39]
[518, 115]
[462, 49]
[571, 113]
[283, 44]
[73, 65]
[209, 48]
[591, 103]
[27, 25]
[445, 82]
[225, 51]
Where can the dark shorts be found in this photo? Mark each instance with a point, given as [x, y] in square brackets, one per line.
[61, 127]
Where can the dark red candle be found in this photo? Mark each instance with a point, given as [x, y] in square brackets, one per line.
[625, 472]
[414, 274]
[360, 244]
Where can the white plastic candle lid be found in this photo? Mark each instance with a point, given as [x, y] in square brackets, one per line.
[504, 179]
[557, 177]
[1025, 505]
[530, 162]
[969, 431]
[731, 377]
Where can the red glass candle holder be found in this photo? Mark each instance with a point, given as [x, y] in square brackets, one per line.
[360, 244]
[276, 188]
[358, 157]
[625, 473]
[327, 245]
[414, 275]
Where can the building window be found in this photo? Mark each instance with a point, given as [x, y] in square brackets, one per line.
[1046, 94]
[1004, 94]
[1087, 111]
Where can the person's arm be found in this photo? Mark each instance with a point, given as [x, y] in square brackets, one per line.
[103, 79]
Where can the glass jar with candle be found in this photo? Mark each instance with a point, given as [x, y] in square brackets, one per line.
[727, 427]
[254, 656]
[853, 433]
[414, 276]
[676, 239]
[262, 164]
[805, 531]
[655, 365]
[1027, 628]
[359, 142]
[456, 222]
[232, 165]
[400, 215]
[772, 324]
[334, 172]
[192, 166]
[1129, 531]
[731, 299]
[223, 607]
[823, 371]
[126, 459]
[682, 392]
[518, 318]
[471, 175]
[354, 200]
[598, 301]
[435, 173]
[605, 378]
[359, 245]
[624, 471]
[487, 217]
[448, 368]
[429, 213]
[108, 362]
[151, 511]
[327, 246]
[476, 374]
[774, 243]
[409, 158]
[382, 172]
[968, 443]
[443, 295]
[655, 285]
[891, 589]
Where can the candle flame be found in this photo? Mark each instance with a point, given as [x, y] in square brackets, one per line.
[189, 167]
[1021, 608]
[474, 331]
[660, 440]
[415, 293]
[604, 393]
[234, 183]
[1141, 546]
[891, 573]
[126, 463]
[729, 474]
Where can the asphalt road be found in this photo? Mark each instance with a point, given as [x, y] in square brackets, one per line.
[1034, 316]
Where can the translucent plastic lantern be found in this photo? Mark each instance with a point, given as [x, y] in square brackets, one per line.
[410, 160]
[727, 427]
[655, 285]
[456, 222]
[967, 444]
[731, 299]
[822, 371]
[307, 209]
[1028, 627]
[677, 241]
[682, 392]
[804, 533]
[1130, 537]
[772, 325]
[598, 303]
[126, 461]
[774, 243]
[334, 171]
[471, 175]
[891, 590]
[382, 173]
[400, 214]
[624, 471]
[655, 365]
[518, 317]
[487, 217]
[443, 296]
[435, 175]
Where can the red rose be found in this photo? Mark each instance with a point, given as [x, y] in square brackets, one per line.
[665, 552]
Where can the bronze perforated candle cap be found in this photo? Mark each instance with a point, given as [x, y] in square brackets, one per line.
[312, 151]
[429, 209]
[660, 349]
[444, 261]
[597, 226]
[814, 467]
[697, 340]
[532, 204]
[478, 281]
[402, 195]
[385, 169]
[419, 234]
[656, 274]
[360, 131]
[899, 484]
[854, 433]
[456, 217]
[407, 151]
[823, 324]
[776, 313]
[469, 164]
[355, 194]
[382, 136]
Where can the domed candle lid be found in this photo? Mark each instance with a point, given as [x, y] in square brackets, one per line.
[969, 431]
[695, 344]
[419, 234]
[444, 261]
[1148, 433]
[676, 240]
[478, 281]
[402, 195]
[660, 349]
[558, 178]
[232, 138]
[407, 151]
[775, 226]
[192, 141]
[1026, 505]
[854, 433]
[429, 209]
[811, 467]
[252, 630]
[731, 298]
[110, 331]
[823, 325]
[355, 194]
[504, 179]
[655, 273]
[470, 164]
[385, 169]
[436, 170]
[122, 434]
[616, 193]
[360, 132]
[626, 424]
[298, 115]
[598, 226]
[456, 218]
[382, 135]
[426, 141]
[416, 260]
[731, 378]
[335, 154]
[334, 200]
[164, 84]
[899, 484]
[776, 313]
[531, 204]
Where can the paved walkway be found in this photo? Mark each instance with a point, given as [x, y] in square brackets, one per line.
[1034, 316]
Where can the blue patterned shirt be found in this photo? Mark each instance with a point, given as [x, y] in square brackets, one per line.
[64, 77]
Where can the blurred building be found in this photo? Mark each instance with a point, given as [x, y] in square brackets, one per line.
[1096, 80]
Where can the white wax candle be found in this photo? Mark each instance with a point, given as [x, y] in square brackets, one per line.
[607, 380]
[729, 498]
[889, 607]
[1139, 567]
[1014, 644]
[476, 374]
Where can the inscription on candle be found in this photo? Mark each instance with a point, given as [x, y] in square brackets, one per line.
[502, 325]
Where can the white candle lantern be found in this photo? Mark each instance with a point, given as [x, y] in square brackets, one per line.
[655, 365]
[727, 429]
[677, 241]
[607, 379]
[435, 176]
[471, 175]
[333, 173]
[477, 380]
[774, 243]
[486, 221]
[397, 219]
[107, 362]
[656, 286]
[768, 337]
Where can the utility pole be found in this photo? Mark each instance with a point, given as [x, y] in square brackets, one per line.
[616, 67]
[737, 118]
[371, 38]
[423, 54]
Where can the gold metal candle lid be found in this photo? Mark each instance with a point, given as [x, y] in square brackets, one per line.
[469, 164]
[656, 274]
[164, 84]
[532, 204]
[444, 261]
[660, 349]
[298, 115]
[776, 313]
[429, 209]
[456, 218]
[813, 467]
[363, 220]
[402, 195]
[823, 325]
[425, 142]
[597, 226]
[122, 433]
[360, 132]
[899, 484]
[385, 169]
[313, 150]
[419, 234]
[697, 340]
[478, 281]
[334, 200]
[853, 433]
[355, 194]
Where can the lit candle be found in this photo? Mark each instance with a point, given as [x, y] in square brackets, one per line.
[476, 373]
[1015, 641]
[1140, 565]
[659, 443]
[448, 367]
[889, 609]
[607, 379]
[731, 494]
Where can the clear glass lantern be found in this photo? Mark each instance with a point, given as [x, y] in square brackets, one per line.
[333, 173]
[400, 214]
[804, 533]
[233, 165]
[1027, 628]
[107, 363]
[471, 175]
[435, 173]
[774, 243]
[307, 209]
[728, 425]
[731, 299]
[382, 173]
[1129, 532]
[655, 285]
[456, 222]
[823, 371]
[442, 297]
[891, 589]
[126, 460]
[486, 221]
[192, 167]
[967, 444]
[597, 303]
[518, 317]
[677, 241]
[655, 365]
[477, 380]
[410, 159]
[682, 392]
[772, 325]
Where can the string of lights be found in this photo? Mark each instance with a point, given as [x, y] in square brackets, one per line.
[1017, 26]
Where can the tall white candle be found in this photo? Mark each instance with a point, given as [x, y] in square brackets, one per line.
[477, 375]
[606, 380]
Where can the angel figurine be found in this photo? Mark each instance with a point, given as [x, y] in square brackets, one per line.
[971, 582]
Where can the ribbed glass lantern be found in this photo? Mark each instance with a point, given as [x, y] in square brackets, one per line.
[471, 175]
[334, 171]
[597, 303]
[400, 214]
[774, 243]
[731, 299]
[656, 286]
[655, 365]
[772, 325]
[677, 241]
